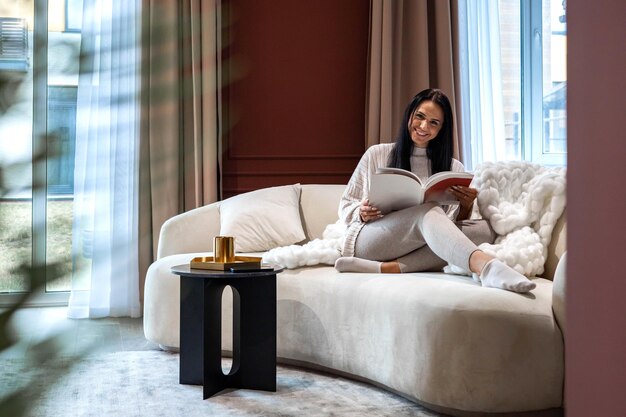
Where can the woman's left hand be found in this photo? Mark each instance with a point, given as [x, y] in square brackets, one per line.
[465, 195]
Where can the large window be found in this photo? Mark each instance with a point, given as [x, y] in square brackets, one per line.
[39, 45]
[513, 80]
[534, 79]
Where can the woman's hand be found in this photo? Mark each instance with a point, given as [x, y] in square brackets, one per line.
[368, 213]
[466, 197]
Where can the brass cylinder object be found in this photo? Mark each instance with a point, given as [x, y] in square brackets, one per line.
[224, 249]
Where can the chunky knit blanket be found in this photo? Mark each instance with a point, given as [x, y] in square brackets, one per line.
[315, 252]
[522, 201]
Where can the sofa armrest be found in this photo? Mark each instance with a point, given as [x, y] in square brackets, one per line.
[188, 232]
[558, 292]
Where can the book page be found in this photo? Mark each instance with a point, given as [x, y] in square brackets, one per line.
[389, 192]
[444, 175]
[437, 186]
[398, 171]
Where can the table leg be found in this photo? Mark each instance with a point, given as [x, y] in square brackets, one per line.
[191, 331]
[214, 378]
[254, 334]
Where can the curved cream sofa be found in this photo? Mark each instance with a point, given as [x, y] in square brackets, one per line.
[440, 340]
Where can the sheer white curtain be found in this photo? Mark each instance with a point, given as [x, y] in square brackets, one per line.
[482, 117]
[105, 278]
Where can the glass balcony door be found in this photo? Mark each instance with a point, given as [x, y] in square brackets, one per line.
[39, 47]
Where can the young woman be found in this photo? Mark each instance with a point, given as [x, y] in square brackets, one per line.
[424, 237]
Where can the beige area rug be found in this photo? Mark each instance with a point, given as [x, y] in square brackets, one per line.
[145, 383]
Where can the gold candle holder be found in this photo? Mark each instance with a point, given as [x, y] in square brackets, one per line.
[224, 249]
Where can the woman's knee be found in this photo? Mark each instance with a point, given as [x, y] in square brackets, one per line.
[431, 214]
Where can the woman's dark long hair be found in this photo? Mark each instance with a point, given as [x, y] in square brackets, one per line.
[440, 149]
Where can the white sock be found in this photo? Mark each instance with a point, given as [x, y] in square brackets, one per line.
[497, 274]
[352, 264]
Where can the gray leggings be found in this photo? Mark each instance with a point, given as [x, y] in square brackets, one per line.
[422, 238]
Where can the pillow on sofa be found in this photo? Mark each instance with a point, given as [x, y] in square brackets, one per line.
[263, 219]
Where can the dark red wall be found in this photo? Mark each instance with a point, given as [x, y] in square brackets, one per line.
[297, 112]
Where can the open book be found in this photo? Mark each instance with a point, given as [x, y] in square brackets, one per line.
[395, 188]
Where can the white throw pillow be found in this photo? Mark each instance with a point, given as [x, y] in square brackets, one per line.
[263, 219]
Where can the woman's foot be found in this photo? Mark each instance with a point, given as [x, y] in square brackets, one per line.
[497, 274]
[352, 264]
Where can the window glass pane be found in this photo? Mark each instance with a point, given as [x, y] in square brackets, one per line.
[510, 52]
[16, 120]
[74, 15]
[63, 58]
[554, 77]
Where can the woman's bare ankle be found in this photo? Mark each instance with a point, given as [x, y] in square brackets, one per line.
[477, 261]
[390, 267]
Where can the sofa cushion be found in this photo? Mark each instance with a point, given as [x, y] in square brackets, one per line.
[319, 207]
[263, 219]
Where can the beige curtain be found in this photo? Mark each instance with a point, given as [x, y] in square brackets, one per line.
[179, 144]
[411, 47]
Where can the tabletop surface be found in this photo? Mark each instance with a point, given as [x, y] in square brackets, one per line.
[185, 270]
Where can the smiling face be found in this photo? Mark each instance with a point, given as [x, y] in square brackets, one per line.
[425, 123]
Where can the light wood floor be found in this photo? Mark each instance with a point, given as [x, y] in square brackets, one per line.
[32, 325]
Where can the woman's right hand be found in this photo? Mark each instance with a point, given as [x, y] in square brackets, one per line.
[368, 213]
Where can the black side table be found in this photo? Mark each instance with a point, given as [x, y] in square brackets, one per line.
[254, 329]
